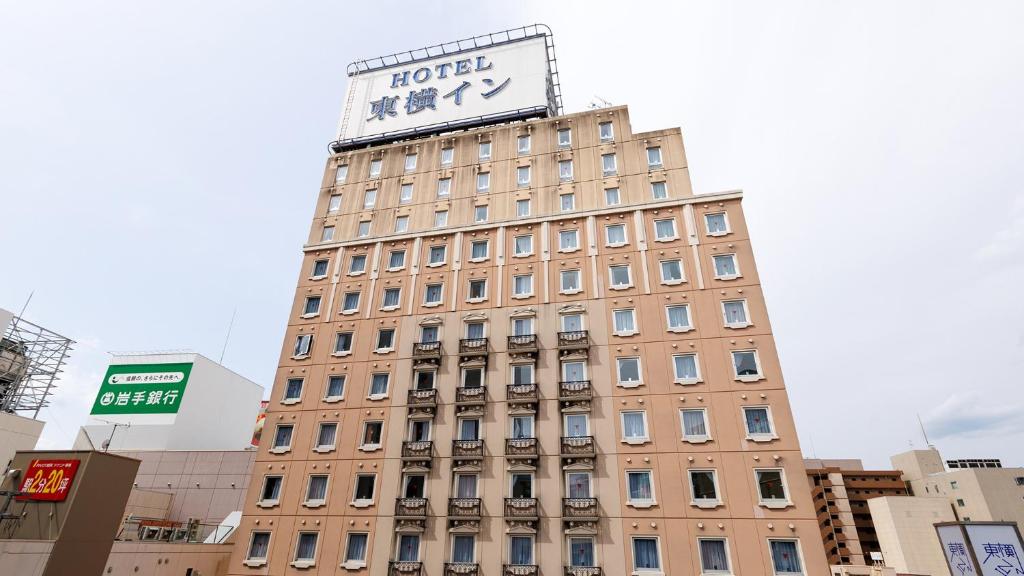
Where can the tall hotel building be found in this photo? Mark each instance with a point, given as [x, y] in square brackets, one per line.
[525, 347]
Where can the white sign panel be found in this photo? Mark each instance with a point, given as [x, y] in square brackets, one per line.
[997, 548]
[957, 551]
[452, 88]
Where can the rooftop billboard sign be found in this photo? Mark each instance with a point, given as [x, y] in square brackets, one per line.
[501, 76]
[142, 389]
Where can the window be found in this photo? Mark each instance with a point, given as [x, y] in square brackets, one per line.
[293, 390]
[564, 137]
[685, 368]
[611, 197]
[960, 502]
[1019, 480]
[479, 249]
[465, 485]
[620, 276]
[570, 281]
[469, 428]
[565, 170]
[572, 322]
[432, 295]
[428, 334]
[771, 487]
[474, 330]
[385, 339]
[608, 164]
[440, 219]
[424, 379]
[659, 190]
[375, 168]
[379, 384]
[350, 303]
[695, 425]
[615, 234]
[522, 427]
[522, 374]
[401, 224]
[480, 214]
[746, 365]
[523, 176]
[477, 289]
[438, 254]
[419, 431]
[320, 268]
[523, 144]
[405, 195]
[483, 181]
[758, 422]
[327, 234]
[522, 285]
[520, 550]
[259, 546]
[391, 298]
[574, 371]
[305, 549]
[372, 431]
[447, 156]
[725, 266]
[678, 318]
[523, 245]
[581, 552]
[365, 485]
[396, 260]
[415, 485]
[717, 224]
[334, 204]
[408, 548]
[654, 157]
[444, 187]
[785, 557]
[341, 174]
[624, 322]
[735, 313]
[665, 229]
[316, 490]
[369, 198]
[522, 326]
[568, 240]
[463, 548]
[954, 485]
[704, 487]
[671, 271]
[485, 151]
[634, 426]
[714, 556]
[410, 162]
[335, 387]
[628, 371]
[312, 306]
[271, 493]
[472, 378]
[604, 130]
[357, 265]
[363, 230]
[646, 557]
[303, 343]
[283, 438]
[355, 550]
[567, 202]
[343, 343]
[523, 207]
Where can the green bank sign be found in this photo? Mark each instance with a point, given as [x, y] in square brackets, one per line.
[142, 389]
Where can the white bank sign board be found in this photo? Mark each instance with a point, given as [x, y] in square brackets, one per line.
[504, 79]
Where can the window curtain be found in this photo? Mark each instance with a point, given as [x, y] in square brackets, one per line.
[380, 384]
[470, 430]
[522, 428]
[757, 422]
[713, 556]
[624, 320]
[356, 547]
[327, 432]
[409, 548]
[579, 486]
[665, 229]
[335, 386]
[678, 317]
[576, 425]
[521, 552]
[317, 488]
[307, 547]
[686, 366]
[582, 553]
[572, 323]
[725, 265]
[573, 371]
[633, 425]
[467, 487]
[463, 549]
[693, 423]
[734, 312]
[475, 330]
[259, 546]
[283, 436]
[785, 557]
[639, 486]
[391, 298]
[645, 553]
[294, 388]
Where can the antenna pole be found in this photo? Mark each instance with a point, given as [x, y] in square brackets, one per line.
[228, 336]
[923, 432]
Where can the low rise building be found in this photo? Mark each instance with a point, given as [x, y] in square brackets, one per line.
[906, 532]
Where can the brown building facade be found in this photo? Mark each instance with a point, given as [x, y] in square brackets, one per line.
[528, 349]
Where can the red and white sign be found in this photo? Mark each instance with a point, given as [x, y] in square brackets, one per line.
[48, 480]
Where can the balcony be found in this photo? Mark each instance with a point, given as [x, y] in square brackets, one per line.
[575, 395]
[461, 569]
[426, 352]
[476, 396]
[472, 348]
[403, 568]
[468, 449]
[519, 570]
[466, 508]
[578, 447]
[576, 341]
[521, 447]
[422, 403]
[522, 398]
[583, 571]
[410, 508]
[521, 509]
[523, 344]
[417, 455]
[579, 509]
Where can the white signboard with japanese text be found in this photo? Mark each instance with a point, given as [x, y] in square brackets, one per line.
[956, 549]
[982, 549]
[448, 89]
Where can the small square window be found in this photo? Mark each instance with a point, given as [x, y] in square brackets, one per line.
[397, 260]
[477, 289]
[259, 547]
[704, 488]
[485, 150]
[685, 368]
[391, 298]
[312, 306]
[570, 281]
[335, 387]
[523, 207]
[373, 429]
[646, 556]
[483, 181]
[564, 137]
[444, 187]
[350, 303]
[714, 556]
[440, 219]
[357, 264]
[659, 190]
[523, 144]
[293, 390]
[447, 156]
[334, 203]
[605, 131]
[369, 198]
[654, 157]
[364, 489]
[271, 493]
[746, 365]
[608, 167]
[410, 162]
[567, 202]
[611, 197]
[479, 249]
[615, 234]
[717, 224]
[523, 245]
[564, 170]
[364, 229]
[385, 339]
[405, 194]
[725, 267]
[375, 166]
[480, 214]
[522, 285]
[283, 437]
[786, 558]
[695, 425]
[401, 224]
[678, 318]
[628, 371]
[432, 294]
[523, 176]
[320, 268]
[771, 487]
[671, 271]
[343, 343]
[303, 344]
[325, 438]
[438, 254]
[327, 234]
[634, 426]
[665, 229]
[355, 550]
[568, 240]
[758, 422]
[640, 488]
[379, 383]
[341, 174]
[624, 322]
[735, 313]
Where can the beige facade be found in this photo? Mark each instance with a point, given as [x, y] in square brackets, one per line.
[17, 434]
[528, 349]
[906, 533]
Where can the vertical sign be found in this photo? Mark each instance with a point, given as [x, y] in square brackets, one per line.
[48, 480]
[956, 549]
[142, 389]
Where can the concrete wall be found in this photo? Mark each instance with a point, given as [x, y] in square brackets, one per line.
[17, 433]
[162, 559]
[906, 532]
[24, 557]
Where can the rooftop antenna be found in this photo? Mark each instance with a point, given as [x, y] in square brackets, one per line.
[599, 102]
[924, 433]
[228, 336]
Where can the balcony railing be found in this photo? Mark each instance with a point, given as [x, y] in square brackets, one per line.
[519, 570]
[578, 446]
[521, 508]
[475, 395]
[575, 390]
[521, 447]
[466, 449]
[575, 340]
[417, 450]
[461, 569]
[524, 343]
[521, 392]
[424, 350]
[583, 571]
[410, 507]
[404, 568]
[473, 347]
[580, 508]
[424, 397]
[463, 507]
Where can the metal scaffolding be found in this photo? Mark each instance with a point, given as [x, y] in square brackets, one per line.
[31, 358]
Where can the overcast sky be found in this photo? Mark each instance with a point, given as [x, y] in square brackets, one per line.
[159, 165]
